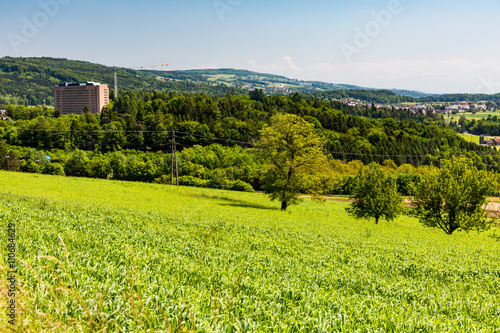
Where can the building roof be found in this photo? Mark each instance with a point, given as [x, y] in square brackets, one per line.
[73, 84]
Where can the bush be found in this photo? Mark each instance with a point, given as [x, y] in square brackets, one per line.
[78, 165]
[53, 169]
[29, 166]
[191, 181]
[239, 185]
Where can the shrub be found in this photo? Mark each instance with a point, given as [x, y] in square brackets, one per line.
[53, 169]
[239, 185]
[191, 181]
[29, 166]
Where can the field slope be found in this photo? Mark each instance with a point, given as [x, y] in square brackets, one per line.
[101, 256]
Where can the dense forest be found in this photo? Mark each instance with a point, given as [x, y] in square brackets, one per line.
[215, 139]
[144, 120]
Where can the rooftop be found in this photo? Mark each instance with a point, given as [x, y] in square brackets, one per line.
[73, 84]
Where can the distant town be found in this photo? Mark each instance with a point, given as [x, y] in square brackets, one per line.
[456, 108]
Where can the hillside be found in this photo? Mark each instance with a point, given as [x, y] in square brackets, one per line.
[174, 258]
[30, 81]
[248, 80]
[373, 96]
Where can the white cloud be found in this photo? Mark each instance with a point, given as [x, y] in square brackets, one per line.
[281, 66]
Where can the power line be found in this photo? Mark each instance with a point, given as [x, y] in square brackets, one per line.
[212, 140]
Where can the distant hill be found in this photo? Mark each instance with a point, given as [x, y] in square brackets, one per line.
[373, 96]
[270, 83]
[453, 98]
[31, 80]
[412, 93]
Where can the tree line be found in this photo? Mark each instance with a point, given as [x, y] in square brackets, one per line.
[143, 120]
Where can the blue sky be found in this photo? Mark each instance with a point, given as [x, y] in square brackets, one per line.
[437, 47]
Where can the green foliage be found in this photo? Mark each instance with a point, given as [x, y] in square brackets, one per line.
[293, 150]
[191, 181]
[78, 165]
[143, 120]
[375, 195]
[53, 169]
[8, 158]
[29, 166]
[407, 182]
[30, 81]
[454, 197]
[373, 96]
[239, 185]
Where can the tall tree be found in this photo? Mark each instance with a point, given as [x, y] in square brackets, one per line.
[454, 197]
[375, 195]
[294, 150]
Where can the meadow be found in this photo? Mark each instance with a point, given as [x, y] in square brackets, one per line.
[110, 256]
[477, 116]
[474, 138]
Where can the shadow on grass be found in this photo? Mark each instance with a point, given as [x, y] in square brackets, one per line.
[249, 205]
[233, 202]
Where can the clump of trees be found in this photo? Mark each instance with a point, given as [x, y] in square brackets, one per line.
[452, 198]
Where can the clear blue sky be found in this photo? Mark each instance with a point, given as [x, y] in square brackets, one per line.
[432, 46]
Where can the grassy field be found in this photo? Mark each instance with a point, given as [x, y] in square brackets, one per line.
[474, 138]
[477, 116]
[101, 256]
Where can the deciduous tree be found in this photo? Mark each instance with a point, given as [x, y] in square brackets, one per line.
[294, 150]
[454, 197]
[375, 195]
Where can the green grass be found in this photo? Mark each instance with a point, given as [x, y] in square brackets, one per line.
[141, 257]
[472, 138]
[477, 116]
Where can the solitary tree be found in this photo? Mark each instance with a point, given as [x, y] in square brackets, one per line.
[375, 195]
[454, 197]
[294, 150]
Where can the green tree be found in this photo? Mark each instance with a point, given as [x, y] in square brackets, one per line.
[454, 197]
[294, 150]
[375, 195]
[78, 165]
[8, 158]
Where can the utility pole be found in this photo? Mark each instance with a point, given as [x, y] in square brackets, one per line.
[116, 79]
[172, 162]
[174, 157]
[116, 84]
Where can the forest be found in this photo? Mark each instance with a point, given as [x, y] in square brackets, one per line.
[489, 126]
[215, 139]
